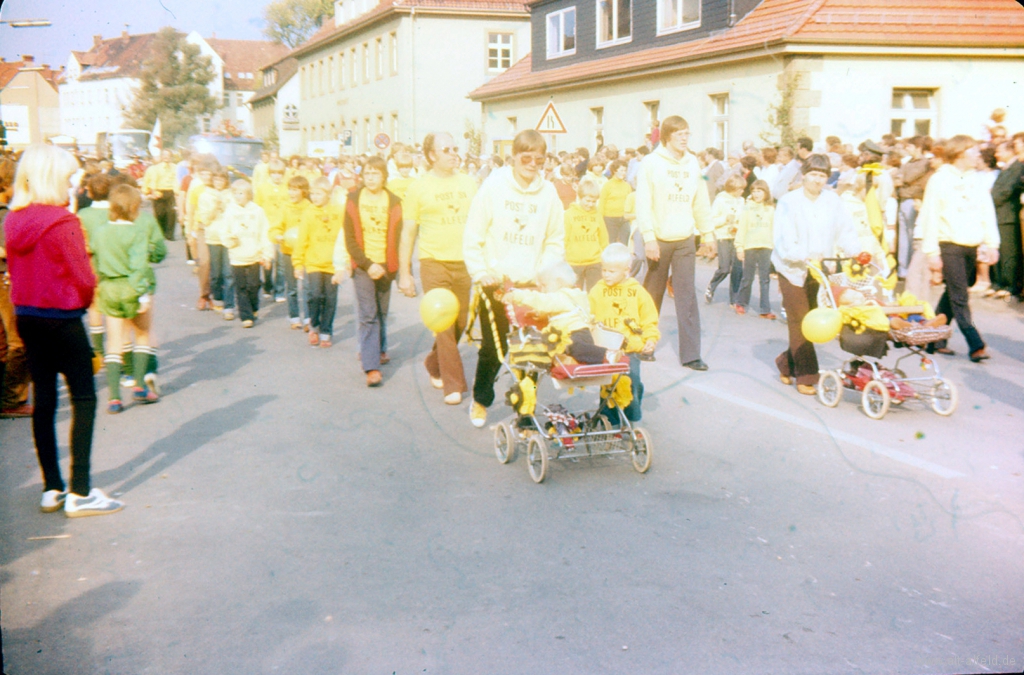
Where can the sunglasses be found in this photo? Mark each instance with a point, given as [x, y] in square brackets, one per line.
[449, 150]
[530, 160]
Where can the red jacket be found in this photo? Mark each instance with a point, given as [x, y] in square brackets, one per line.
[47, 260]
[354, 232]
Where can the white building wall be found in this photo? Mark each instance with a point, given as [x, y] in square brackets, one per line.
[857, 93]
[91, 106]
[290, 141]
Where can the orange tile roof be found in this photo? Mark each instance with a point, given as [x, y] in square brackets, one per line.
[120, 56]
[328, 31]
[943, 23]
[245, 57]
[10, 69]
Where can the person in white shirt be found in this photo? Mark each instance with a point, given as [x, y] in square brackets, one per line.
[810, 224]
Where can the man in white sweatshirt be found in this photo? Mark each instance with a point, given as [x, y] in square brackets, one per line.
[672, 207]
[514, 229]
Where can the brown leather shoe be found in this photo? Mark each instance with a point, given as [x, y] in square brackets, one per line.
[806, 389]
[384, 360]
[980, 355]
[786, 380]
[23, 410]
[373, 378]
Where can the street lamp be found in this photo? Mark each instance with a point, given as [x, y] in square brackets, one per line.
[27, 23]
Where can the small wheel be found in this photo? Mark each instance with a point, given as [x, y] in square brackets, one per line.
[944, 397]
[537, 458]
[641, 452]
[830, 388]
[504, 442]
[875, 399]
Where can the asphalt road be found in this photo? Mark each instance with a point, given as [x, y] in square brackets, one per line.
[283, 518]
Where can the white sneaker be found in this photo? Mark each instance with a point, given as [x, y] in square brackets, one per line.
[52, 501]
[477, 415]
[152, 383]
[95, 504]
[453, 398]
[437, 383]
[229, 315]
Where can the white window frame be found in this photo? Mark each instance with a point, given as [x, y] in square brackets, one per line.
[662, 29]
[393, 52]
[379, 57]
[908, 114]
[560, 14]
[720, 119]
[366, 63]
[505, 50]
[616, 39]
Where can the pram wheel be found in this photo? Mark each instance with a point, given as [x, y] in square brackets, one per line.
[641, 451]
[944, 397]
[505, 442]
[830, 388]
[537, 458]
[875, 399]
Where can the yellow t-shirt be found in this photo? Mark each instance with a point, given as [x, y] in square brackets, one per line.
[585, 236]
[613, 198]
[373, 214]
[273, 199]
[440, 207]
[399, 185]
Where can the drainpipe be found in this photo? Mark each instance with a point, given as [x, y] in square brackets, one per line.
[732, 13]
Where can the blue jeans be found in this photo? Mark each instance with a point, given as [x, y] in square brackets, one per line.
[728, 266]
[222, 278]
[322, 296]
[906, 217]
[372, 300]
[632, 411]
[759, 260]
[282, 270]
[291, 286]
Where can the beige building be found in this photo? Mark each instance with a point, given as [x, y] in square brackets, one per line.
[853, 70]
[29, 103]
[404, 69]
[275, 106]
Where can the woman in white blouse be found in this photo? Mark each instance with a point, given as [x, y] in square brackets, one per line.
[810, 224]
[958, 229]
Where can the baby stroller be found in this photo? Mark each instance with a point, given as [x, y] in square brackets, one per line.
[546, 433]
[880, 387]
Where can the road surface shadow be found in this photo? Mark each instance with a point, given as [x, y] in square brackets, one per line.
[1006, 346]
[981, 380]
[215, 363]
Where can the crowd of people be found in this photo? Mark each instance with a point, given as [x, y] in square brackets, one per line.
[585, 237]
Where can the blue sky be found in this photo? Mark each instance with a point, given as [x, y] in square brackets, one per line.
[75, 22]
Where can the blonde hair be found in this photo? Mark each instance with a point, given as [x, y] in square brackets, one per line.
[735, 183]
[617, 254]
[242, 182]
[557, 274]
[43, 177]
[589, 186]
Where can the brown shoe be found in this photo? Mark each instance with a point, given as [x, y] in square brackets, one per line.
[384, 360]
[786, 380]
[373, 378]
[980, 355]
[806, 389]
[23, 410]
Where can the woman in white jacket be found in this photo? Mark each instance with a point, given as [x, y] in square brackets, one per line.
[515, 228]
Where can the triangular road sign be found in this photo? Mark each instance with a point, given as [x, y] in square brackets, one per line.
[550, 122]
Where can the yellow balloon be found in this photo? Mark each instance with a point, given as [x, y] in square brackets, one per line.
[439, 309]
[291, 238]
[822, 324]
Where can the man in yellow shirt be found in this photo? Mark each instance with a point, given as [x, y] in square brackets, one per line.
[158, 185]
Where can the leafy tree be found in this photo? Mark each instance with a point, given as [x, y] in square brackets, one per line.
[291, 22]
[780, 115]
[174, 79]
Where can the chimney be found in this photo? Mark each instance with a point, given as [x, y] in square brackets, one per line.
[27, 58]
[124, 34]
[96, 40]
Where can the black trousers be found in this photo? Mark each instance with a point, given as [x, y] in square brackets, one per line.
[960, 271]
[166, 214]
[60, 346]
[488, 365]
[1008, 273]
[247, 290]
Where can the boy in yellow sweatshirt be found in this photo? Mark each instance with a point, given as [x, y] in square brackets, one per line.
[286, 234]
[725, 216]
[620, 303]
[272, 197]
[754, 242]
[245, 235]
[585, 235]
[315, 261]
[613, 202]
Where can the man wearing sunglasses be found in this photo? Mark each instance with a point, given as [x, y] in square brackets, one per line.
[515, 228]
[672, 207]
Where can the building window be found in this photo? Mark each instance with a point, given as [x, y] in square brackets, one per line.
[366, 134]
[353, 79]
[330, 73]
[393, 49]
[513, 126]
[562, 33]
[499, 52]
[598, 114]
[913, 112]
[720, 117]
[341, 70]
[394, 126]
[675, 15]
[227, 98]
[379, 48]
[366, 62]
[614, 22]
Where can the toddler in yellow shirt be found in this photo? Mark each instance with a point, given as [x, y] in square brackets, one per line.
[585, 235]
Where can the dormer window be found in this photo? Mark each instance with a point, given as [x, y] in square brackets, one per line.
[614, 22]
[561, 33]
[677, 15]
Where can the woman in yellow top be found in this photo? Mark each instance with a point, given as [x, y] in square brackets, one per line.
[435, 208]
[585, 235]
[754, 246]
[612, 204]
[373, 227]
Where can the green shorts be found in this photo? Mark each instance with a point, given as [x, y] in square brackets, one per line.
[117, 298]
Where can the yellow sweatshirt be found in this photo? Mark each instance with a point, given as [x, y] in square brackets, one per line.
[273, 199]
[671, 197]
[725, 215]
[626, 308]
[585, 236]
[613, 198]
[209, 209]
[318, 235]
[245, 234]
[755, 230]
[195, 188]
[567, 309]
[290, 218]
